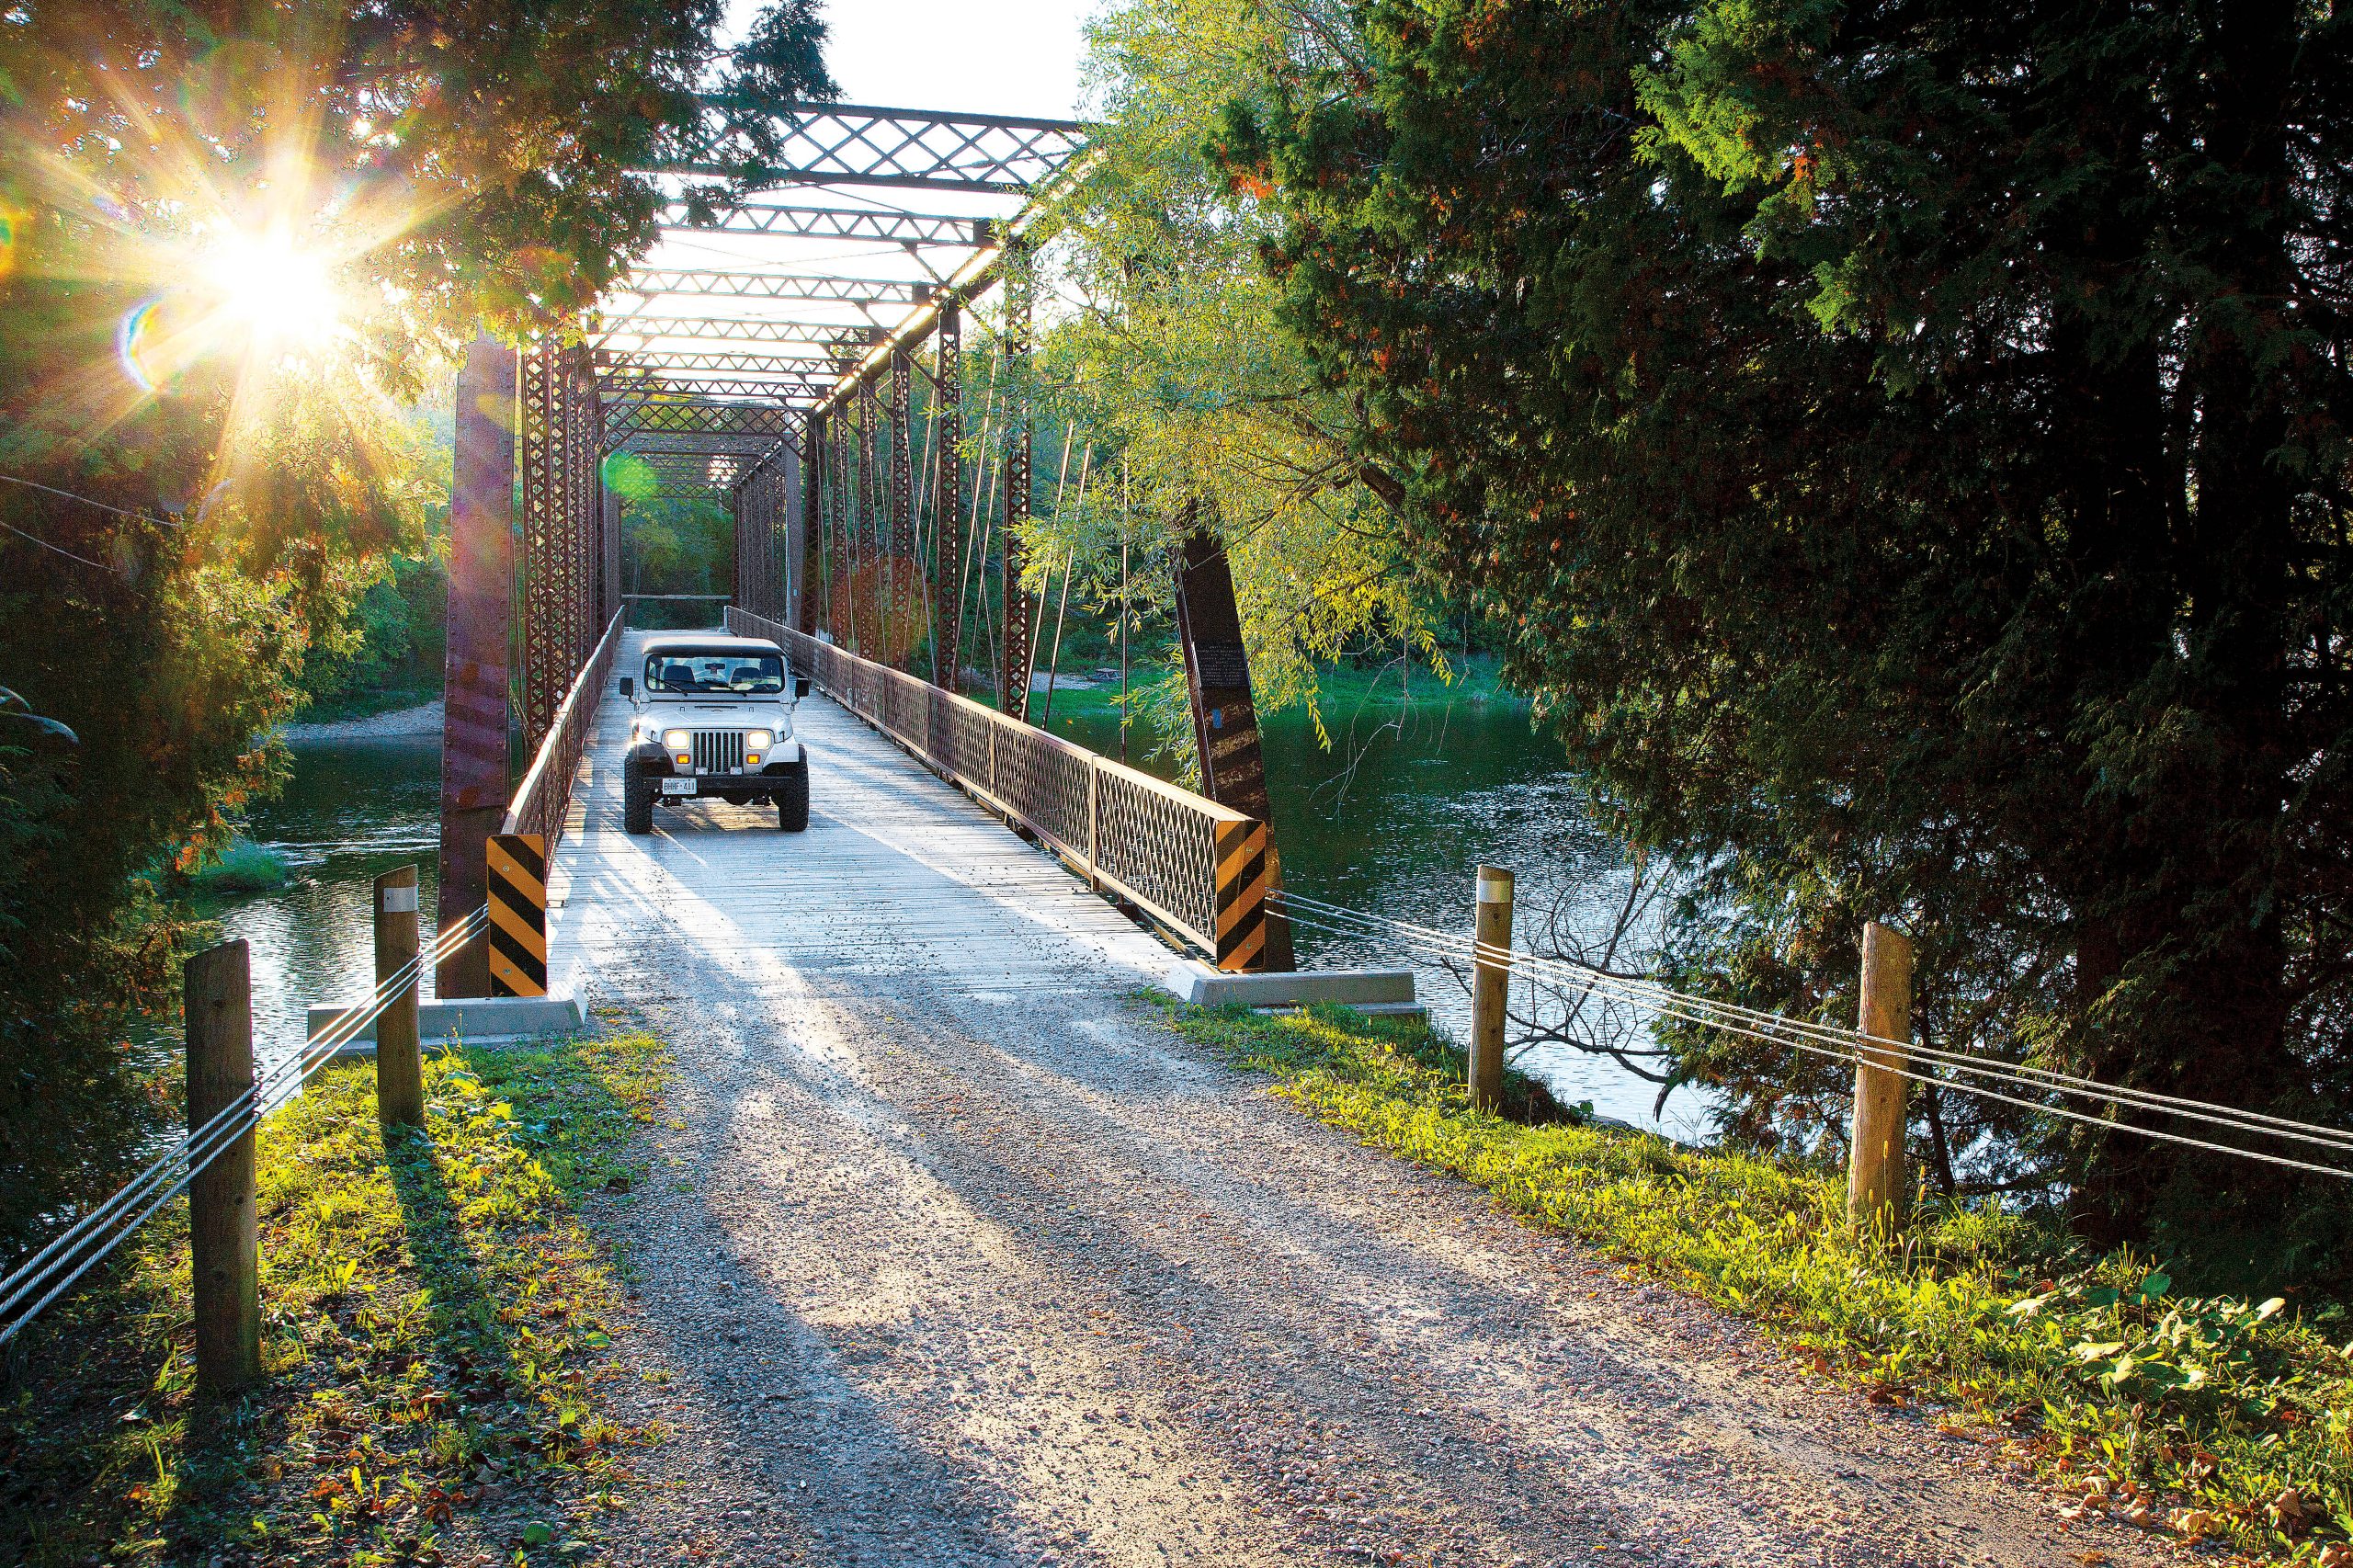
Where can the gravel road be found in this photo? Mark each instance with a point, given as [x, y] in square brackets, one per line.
[971, 1278]
[953, 1254]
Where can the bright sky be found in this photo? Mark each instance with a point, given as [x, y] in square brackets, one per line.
[1017, 56]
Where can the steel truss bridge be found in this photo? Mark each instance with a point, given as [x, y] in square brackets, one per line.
[797, 350]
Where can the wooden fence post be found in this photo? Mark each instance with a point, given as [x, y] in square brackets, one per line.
[400, 1075]
[1490, 987]
[1875, 1162]
[224, 1238]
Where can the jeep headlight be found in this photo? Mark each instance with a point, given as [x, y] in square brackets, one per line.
[757, 740]
[677, 740]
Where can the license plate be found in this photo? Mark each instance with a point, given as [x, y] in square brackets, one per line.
[677, 786]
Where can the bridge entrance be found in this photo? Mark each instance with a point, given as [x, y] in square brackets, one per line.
[798, 351]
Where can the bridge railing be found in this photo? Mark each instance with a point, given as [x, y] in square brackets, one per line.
[1196, 867]
[545, 796]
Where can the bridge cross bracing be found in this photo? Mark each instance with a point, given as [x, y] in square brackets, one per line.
[847, 249]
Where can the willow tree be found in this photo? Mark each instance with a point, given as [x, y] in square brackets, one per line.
[1909, 442]
[232, 240]
[1166, 351]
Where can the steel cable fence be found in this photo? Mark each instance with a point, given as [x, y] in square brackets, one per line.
[86, 1243]
[1844, 1045]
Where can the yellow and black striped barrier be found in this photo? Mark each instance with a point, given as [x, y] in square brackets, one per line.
[519, 914]
[1245, 877]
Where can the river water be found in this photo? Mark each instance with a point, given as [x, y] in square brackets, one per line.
[1392, 820]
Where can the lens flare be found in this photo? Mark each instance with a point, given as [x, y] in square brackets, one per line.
[631, 477]
[137, 341]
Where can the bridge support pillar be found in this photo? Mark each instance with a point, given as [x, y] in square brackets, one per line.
[1225, 717]
[475, 782]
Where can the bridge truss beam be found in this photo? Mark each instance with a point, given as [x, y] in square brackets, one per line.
[911, 230]
[858, 145]
[770, 422]
[624, 387]
[722, 361]
[653, 283]
[565, 596]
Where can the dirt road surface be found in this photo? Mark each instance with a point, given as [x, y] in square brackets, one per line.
[954, 1254]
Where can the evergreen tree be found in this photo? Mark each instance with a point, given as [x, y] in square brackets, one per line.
[1909, 444]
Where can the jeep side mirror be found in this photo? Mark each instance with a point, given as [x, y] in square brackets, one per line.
[800, 687]
[629, 689]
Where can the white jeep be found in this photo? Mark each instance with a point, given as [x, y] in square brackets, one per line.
[713, 720]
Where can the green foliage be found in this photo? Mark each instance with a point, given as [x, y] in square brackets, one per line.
[434, 1322]
[236, 241]
[677, 544]
[1165, 352]
[387, 653]
[1908, 445]
[2198, 1414]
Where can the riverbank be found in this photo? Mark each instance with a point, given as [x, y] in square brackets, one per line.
[409, 719]
[435, 1342]
[2205, 1419]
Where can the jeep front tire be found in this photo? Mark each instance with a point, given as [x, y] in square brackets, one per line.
[792, 798]
[637, 798]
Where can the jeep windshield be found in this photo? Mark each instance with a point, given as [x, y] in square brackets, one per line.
[713, 672]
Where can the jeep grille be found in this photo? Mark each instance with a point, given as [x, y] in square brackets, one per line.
[717, 751]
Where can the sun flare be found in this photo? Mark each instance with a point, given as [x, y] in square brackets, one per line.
[274, 290]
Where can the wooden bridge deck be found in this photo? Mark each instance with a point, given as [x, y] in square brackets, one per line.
[898, 873]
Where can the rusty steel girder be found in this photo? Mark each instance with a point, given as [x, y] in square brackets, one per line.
[947, 544]
[837, 509]
[475, 780]
[901, 580]
[1019, 657]
[813, 469]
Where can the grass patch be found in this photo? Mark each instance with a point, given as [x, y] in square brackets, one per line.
[2211, 1417]
[433, 1336]
[244, 866]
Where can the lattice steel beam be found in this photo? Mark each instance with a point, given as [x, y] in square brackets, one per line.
[1020, 651]
[704, 282]
[723, 389]
[721, 361]
[910, 229]
[744, 450]
[624, 419]
[717, 471]
[861, 144]
[813, 467]
[733, 329]
[947, 541]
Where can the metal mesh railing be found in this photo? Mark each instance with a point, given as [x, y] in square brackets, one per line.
[545, 798]
[1179, 857]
